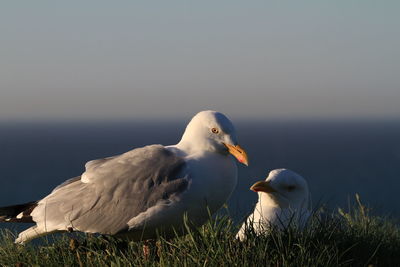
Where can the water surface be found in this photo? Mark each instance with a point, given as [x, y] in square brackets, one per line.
[337, 158]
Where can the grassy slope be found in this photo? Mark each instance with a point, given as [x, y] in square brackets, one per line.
[353, 238]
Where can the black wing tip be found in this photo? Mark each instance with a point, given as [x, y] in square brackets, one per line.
[10, 213]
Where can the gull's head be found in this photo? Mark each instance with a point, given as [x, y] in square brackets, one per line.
[213, 131]
[283, 188]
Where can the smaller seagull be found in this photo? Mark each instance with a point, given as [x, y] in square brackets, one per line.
[283, 200]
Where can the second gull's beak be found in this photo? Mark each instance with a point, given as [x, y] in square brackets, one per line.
[238, 153]
[262, 186]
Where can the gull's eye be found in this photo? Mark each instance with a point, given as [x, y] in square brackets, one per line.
[290, 188]
[214, 130]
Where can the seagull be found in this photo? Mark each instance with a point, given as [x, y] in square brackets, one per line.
[283, 200]
[145, 191]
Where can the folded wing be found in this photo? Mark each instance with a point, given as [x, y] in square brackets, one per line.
[112, 191]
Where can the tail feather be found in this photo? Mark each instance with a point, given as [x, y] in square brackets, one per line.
[18, 213]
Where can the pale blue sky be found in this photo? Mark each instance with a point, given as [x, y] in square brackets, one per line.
[170, 59]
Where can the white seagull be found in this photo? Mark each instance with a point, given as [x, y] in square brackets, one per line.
[283, 200]
[144, 191]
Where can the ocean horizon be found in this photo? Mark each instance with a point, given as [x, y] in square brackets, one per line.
[337, 158]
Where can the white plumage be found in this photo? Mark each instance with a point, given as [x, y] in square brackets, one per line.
[283, 200]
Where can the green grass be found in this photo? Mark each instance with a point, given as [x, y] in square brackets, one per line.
[352, 238]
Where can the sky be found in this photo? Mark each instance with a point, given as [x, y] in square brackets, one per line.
[110, 60]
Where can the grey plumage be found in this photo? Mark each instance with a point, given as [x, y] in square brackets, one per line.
[112, 197]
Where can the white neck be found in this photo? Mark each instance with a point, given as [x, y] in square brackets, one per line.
[193, 139]
[282, 202]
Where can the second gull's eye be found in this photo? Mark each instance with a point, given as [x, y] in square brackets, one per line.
[290, 188]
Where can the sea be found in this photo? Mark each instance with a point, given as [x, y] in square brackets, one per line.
[338, 158]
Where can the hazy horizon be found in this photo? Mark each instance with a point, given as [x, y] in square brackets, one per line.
[100, 60]
[182, 119]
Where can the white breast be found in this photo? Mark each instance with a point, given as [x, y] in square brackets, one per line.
[213, 179]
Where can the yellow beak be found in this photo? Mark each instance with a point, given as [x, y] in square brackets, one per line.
[262, 186]
[238, 153]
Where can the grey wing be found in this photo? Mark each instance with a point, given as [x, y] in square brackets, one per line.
[67, 182]
[117, 191]
[91, 165]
